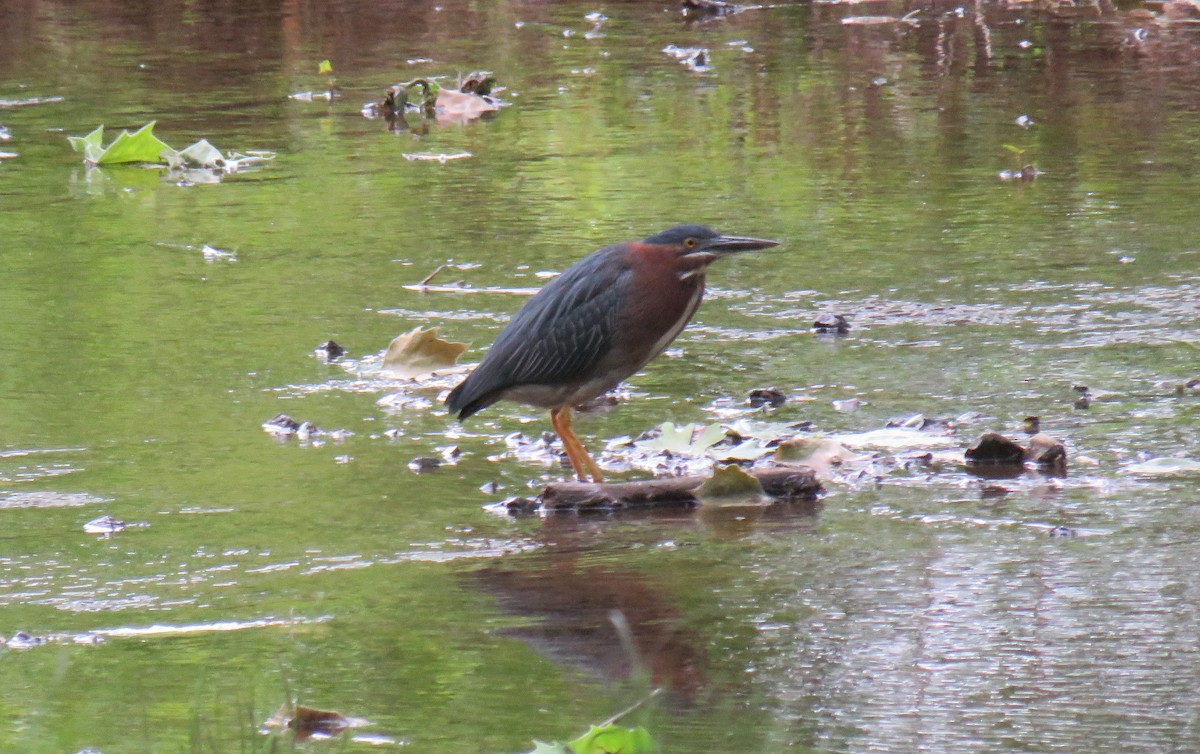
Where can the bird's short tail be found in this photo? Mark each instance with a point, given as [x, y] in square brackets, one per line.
[463, 401]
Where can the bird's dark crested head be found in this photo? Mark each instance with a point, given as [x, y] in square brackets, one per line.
[699, 241]
[680, 233]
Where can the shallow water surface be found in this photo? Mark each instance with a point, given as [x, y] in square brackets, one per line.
[152, 324]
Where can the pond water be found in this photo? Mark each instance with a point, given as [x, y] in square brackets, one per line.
[915, 609]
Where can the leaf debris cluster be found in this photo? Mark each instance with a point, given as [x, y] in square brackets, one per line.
[142, 146]
[472, 97]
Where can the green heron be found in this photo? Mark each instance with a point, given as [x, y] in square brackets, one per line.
[597, 323]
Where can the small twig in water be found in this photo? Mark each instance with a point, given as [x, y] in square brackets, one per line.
[631, 708]
[432, 275]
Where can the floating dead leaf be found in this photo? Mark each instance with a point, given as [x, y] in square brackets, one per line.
[1046, 452]
[464, 106]
[731, 485]
[419, 352]
[828, 455]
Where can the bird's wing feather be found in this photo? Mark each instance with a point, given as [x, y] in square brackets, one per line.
[557, 337]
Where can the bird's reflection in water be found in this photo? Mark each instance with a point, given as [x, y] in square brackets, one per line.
[614, 622]
[609, 622]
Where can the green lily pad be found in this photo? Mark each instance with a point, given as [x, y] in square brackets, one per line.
[613, 739]
[686, 439]
[731, 485]
[761, 430]
[751, 450]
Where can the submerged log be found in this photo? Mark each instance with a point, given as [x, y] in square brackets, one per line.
[782, 484]
[995, 456]
[993, 448]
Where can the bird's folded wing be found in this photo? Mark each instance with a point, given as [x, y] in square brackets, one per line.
[563, 337]
[557, 338]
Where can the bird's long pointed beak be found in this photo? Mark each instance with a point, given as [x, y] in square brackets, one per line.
[735, 244]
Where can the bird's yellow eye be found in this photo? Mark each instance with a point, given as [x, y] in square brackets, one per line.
[690, 243]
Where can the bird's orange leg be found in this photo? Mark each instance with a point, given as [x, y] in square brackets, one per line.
[560, 419]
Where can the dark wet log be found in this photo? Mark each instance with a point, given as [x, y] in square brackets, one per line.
[994, 455]
[789, 484]
[673, 492]
[782, 484]
[993, 448]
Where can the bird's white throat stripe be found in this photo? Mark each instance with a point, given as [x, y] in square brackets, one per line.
[679, 325]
